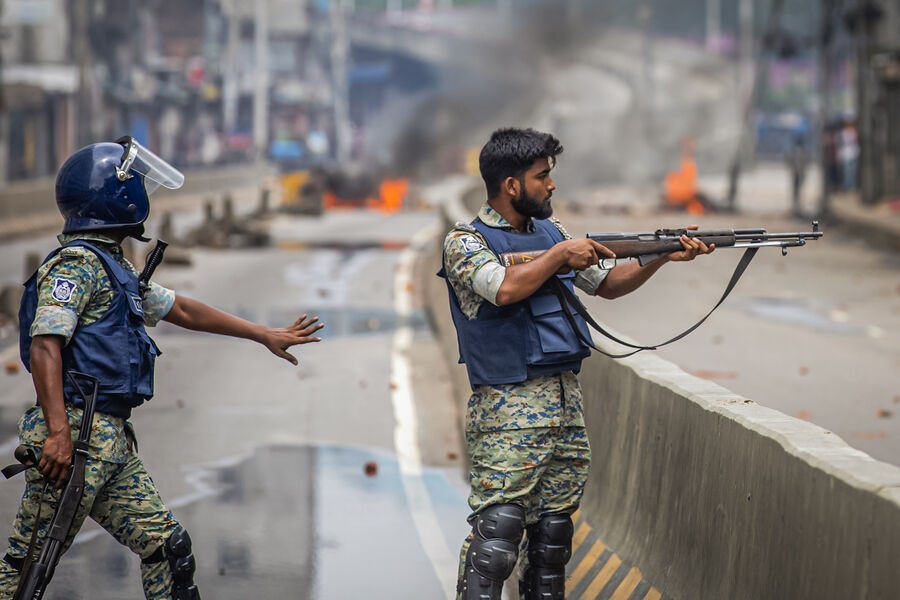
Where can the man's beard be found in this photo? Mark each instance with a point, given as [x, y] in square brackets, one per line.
[528, 206]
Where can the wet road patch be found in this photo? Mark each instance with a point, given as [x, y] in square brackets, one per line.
[304, 522]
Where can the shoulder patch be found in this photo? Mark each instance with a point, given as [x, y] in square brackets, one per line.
[63, 289]
[471, 244]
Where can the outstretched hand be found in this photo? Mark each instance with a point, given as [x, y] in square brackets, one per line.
[691, 248]
[278, 340]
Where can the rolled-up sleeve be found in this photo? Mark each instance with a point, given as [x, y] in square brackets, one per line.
[590, 279]
[63, 291]
[157, 303]
[54, 320]
[469, 262]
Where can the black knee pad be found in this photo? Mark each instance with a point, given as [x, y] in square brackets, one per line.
[177, 552]
[182, 564]
[492, 555]
[549, 549]
[550, 541]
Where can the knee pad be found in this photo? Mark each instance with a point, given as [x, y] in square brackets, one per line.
[182, 564]
[550, 541]
[549, 549]
[177, 552]
[492, 555]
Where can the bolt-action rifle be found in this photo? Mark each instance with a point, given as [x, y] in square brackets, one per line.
[35, 574]
[647, 247]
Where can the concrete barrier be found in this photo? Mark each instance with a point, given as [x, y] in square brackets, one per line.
[714, 496]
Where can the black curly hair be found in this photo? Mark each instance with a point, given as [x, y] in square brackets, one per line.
[510, 152]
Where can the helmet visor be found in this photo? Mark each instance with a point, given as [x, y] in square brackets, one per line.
[155, 170]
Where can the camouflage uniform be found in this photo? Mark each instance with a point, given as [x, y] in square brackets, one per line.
[527, 441]
[74, 289]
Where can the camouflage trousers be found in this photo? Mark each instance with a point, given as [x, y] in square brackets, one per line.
[543, 470]
[119, 496]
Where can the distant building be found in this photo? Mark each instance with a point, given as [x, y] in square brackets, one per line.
[39, 82]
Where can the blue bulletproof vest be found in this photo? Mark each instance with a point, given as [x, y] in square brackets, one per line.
[531, 338]
[115, 349]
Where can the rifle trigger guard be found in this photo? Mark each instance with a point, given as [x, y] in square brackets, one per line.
[603, 264]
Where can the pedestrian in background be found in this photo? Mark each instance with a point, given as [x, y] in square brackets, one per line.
[85, 310]
[797, 159]
[848, 154]
[830, 157]
[525, 430]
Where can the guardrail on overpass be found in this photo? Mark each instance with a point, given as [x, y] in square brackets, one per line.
[710, 494]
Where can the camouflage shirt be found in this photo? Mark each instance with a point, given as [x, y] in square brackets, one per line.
[475, 273]
[74, 289]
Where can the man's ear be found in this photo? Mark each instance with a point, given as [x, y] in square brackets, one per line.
[511, 186]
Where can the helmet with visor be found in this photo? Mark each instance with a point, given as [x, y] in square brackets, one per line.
[107, 186]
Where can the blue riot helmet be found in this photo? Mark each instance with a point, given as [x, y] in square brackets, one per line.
[107, 186]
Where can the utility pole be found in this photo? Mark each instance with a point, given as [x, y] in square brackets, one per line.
[340, 93]
[261, 90]
[230, 67]
[3, 148]
[713, 23]
[648, 66]
[80, 15]
[746, 52]
[826, 37]
[751, 82]
[868, 193]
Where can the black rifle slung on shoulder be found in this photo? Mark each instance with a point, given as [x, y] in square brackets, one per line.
[36, 574]
[154, 258]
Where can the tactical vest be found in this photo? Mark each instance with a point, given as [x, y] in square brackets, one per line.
[517, 342]
[115, 349]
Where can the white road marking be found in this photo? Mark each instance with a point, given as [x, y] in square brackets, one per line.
[406, 437]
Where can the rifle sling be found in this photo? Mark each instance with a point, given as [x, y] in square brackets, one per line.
[569, 300]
